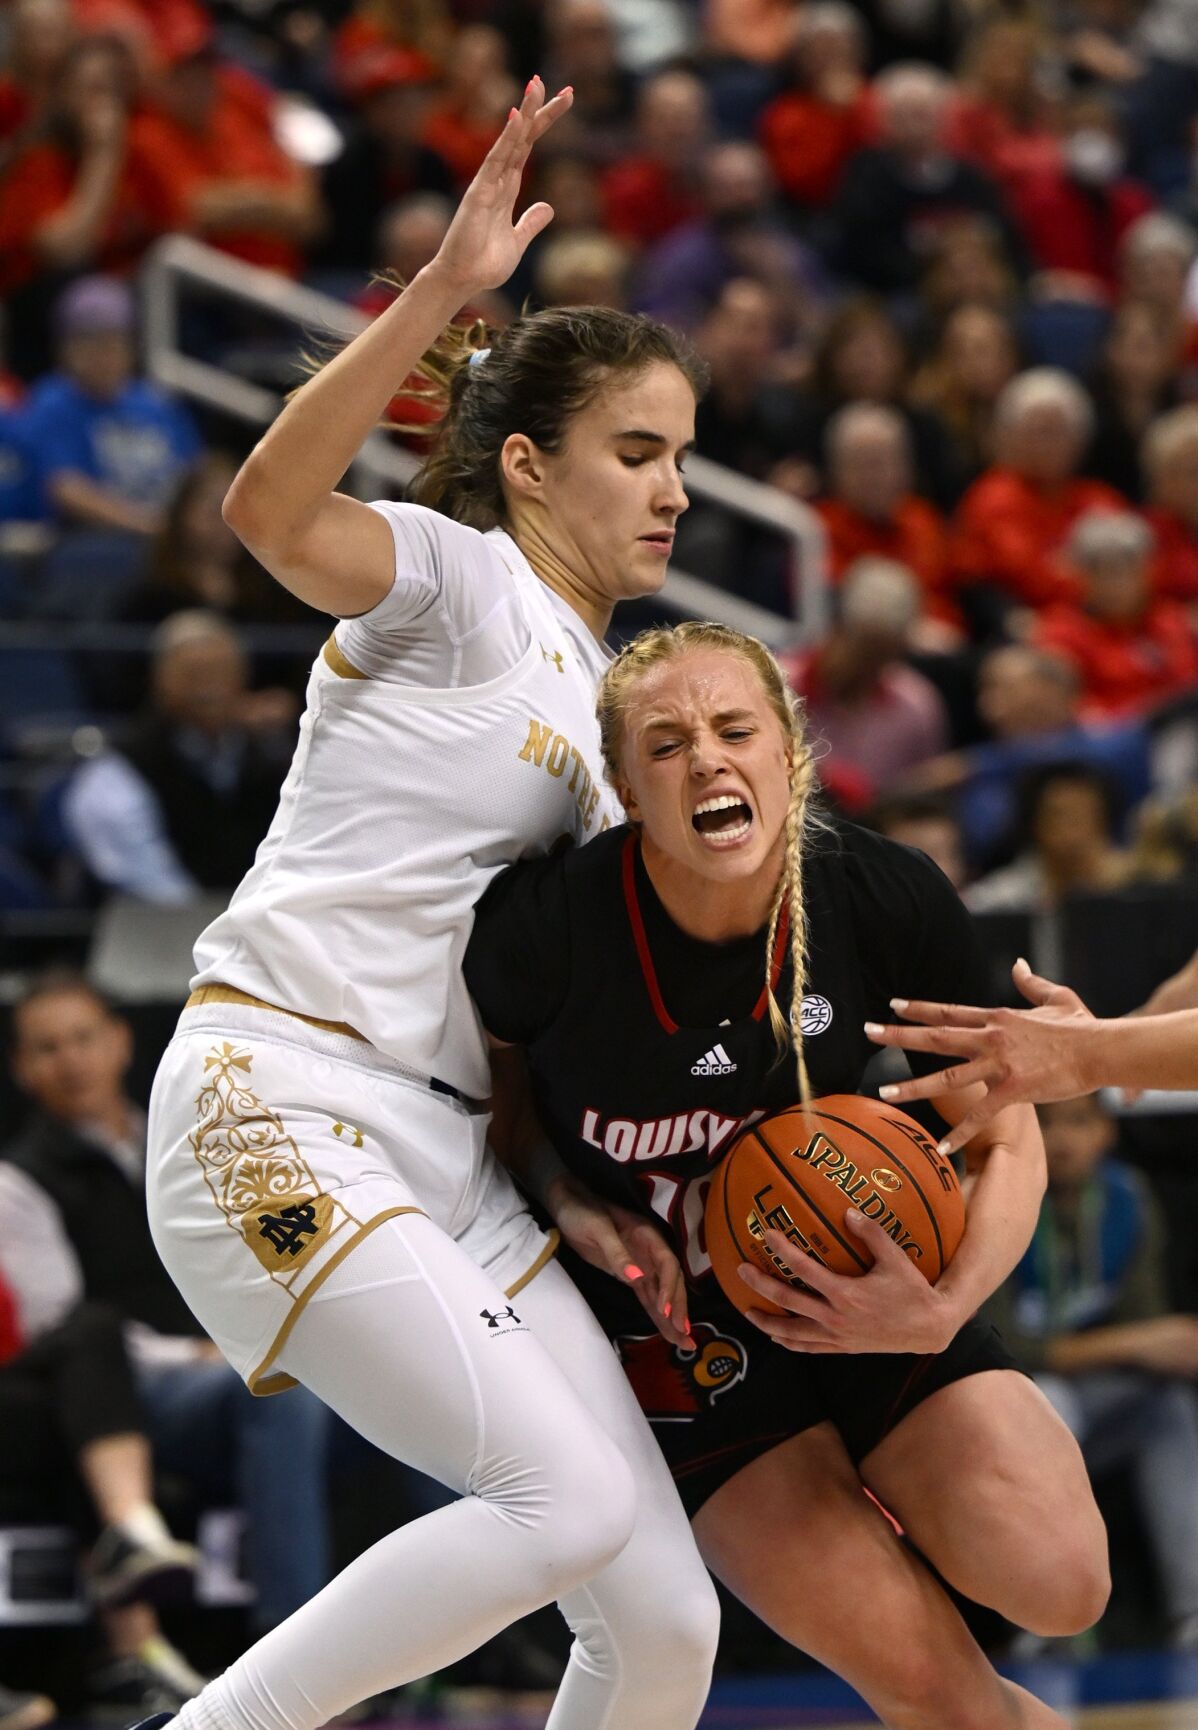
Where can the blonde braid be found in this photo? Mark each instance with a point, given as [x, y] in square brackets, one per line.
[802, 781]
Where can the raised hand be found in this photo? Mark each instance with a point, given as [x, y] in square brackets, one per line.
[484, 243]
[1021, 1056]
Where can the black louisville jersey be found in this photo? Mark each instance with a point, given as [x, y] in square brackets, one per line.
[649, 1050]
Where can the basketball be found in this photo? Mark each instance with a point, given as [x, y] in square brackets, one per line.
[799, 1171]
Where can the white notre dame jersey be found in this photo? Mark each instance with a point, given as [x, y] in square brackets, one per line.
[447, 732]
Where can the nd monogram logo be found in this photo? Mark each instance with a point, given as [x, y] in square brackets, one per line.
[286, 1231]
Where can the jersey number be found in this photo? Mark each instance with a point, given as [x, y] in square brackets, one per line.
[681, 1203]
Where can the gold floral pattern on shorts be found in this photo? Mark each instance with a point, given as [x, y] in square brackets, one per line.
[261, 1181]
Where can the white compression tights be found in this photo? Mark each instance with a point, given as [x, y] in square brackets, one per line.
[395, 1341]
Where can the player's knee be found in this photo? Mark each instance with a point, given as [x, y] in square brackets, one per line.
[577, 1504]
[1071, 1596]
[691, 1630]
[595, 1500]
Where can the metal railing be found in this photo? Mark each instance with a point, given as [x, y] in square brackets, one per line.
[179, 263]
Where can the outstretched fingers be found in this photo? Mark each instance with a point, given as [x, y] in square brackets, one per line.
[951, 1080]
[946, 1041]
[940, 1014]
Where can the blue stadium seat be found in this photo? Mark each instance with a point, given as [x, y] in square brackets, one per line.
[88, 573]
[38, 685]
[1065, 333]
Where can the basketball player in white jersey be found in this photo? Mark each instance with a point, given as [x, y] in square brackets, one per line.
[319, 1183]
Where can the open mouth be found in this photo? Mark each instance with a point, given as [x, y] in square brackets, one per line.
[722, 821]
[662, 543]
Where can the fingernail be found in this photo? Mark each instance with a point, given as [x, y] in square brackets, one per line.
[1020, 962]
[665, 1310]
[512, 113]
[887, 1092]
[686, 1328]
[854, 1216]
[899, 1003]
[942, 1148]
[633, 1272]
[873, 1027]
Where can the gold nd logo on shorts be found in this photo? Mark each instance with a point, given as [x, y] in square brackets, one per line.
[260, 1180]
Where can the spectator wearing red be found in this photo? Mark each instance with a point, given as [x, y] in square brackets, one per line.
[878, 716]
[811, 130]
[1170, 462]
[871, 510]
[1002, 120]
[41, 34]
[655, 189]
[376, 28]
[157, 31]
[208, 149]
[473, 107]
[1074, 213]
[1131, 648]
[1010, 528]
[72, 197]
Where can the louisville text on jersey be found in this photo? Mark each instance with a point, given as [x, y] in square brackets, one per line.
[554, 753]
[628, 1138]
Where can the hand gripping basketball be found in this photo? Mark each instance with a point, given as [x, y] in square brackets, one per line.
[829, 1226]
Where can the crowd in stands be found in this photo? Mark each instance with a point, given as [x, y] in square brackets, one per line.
[941, 260]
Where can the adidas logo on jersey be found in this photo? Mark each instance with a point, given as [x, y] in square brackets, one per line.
[714, 1062]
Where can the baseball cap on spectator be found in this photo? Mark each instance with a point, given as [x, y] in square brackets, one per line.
[93, 304]
[381, 66]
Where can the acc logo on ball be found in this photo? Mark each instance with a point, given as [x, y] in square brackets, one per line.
[815, 1014]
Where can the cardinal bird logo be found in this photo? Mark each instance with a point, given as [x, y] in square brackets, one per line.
[674, 1383]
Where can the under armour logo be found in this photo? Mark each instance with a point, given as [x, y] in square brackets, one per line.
[504, 1315]
[286, 1231]
[554, 656]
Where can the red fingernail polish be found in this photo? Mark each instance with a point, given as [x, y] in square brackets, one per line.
[666, 1308]
[631, 1271]
[512, 113]
[687, 1329]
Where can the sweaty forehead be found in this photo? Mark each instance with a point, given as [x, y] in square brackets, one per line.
[697, 685]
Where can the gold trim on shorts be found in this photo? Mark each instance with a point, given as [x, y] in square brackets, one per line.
[257, 1381]
[230, 994]
[343, 668]
[530, 1273]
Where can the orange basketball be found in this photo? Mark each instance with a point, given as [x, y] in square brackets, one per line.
[799, 1172]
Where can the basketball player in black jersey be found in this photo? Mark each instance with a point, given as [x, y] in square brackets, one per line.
[631, 971]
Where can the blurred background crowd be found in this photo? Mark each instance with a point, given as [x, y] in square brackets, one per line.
[941, 258]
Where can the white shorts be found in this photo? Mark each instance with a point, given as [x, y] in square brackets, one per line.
[276, 1146]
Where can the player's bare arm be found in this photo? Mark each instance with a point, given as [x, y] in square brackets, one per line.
[892, 1308]
[332, 551]
[1055, 1050]
[619, 1242]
